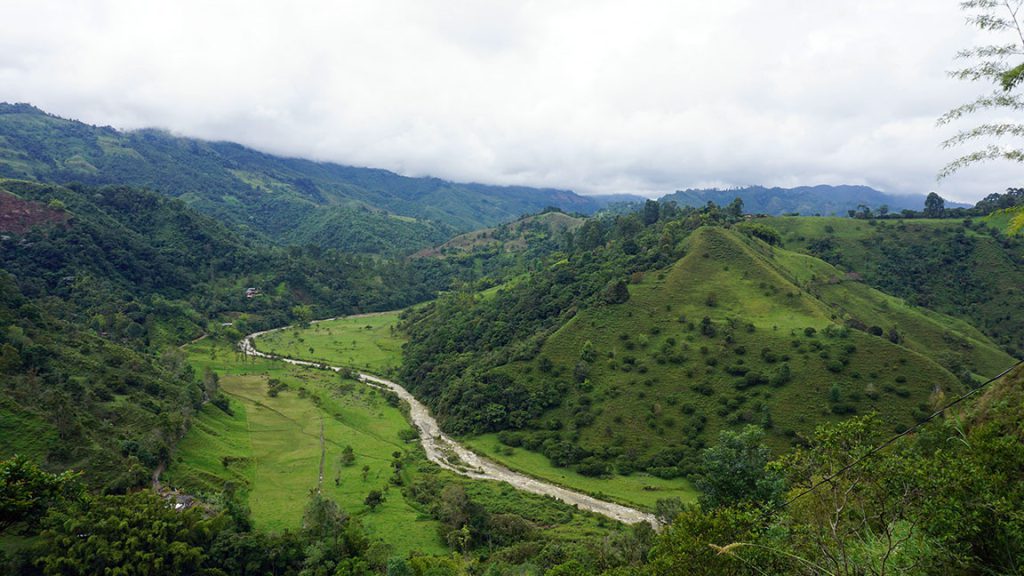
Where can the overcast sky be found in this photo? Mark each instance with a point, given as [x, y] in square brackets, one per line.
[641, 96]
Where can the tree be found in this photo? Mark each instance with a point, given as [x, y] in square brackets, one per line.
[374, 498]
[934, 206]
[735, 208]
[348, 456]
[334, 540]
[26, 492]
[734, 471]
[652, 211]
[704, 542]
[867, 519]
[999, 64]
[140, 533]
[616, 292]
[588, 353]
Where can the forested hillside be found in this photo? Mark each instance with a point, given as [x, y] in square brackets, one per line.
[635, 346]
[284, 200]
[103, 285]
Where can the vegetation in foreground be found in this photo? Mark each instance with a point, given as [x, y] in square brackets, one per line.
[946, 500]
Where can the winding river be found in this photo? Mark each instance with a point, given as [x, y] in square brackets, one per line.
[444, 451]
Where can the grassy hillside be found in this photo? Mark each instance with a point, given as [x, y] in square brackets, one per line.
[954, 267]
[270, 446]
[1010, 221]
[267, 452]
[737, 332]
[70, 398]
[285, 200]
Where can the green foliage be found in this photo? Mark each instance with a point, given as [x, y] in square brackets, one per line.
[285, 200]
[27, 493]
[761, 231]
[688, 546]
[950, 267]
[734, 471]
[934, 206]
[138, 533]
[373, 499]
[616, 292]
[999, 65]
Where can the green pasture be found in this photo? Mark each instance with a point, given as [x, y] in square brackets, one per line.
[640, 490]
[270, 447]
[369, 342]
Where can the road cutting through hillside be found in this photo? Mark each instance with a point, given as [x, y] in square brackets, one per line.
[444, 451]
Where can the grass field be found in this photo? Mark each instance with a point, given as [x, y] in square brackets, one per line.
[367, 342]
[641, 490]
[271, 447]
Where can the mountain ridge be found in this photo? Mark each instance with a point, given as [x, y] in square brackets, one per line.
[271, 196]
[821, 199]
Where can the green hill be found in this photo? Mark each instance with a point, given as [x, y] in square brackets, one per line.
[710, 345]
[285, 200]
[956, 267]
[734, 332]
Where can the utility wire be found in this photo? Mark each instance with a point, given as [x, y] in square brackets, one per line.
[892, 440]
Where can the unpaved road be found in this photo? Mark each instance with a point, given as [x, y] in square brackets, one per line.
[442, 450]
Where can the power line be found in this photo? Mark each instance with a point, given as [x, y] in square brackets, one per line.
[892, 440]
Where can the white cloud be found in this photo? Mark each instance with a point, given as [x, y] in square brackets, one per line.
[595, 95]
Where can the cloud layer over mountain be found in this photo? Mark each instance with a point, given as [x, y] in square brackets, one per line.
[644, 96]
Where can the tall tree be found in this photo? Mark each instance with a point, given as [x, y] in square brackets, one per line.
[934, 206]
[999, 64]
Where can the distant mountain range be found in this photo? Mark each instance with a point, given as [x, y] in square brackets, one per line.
[805, 200]
[287, 200]
[297, 201]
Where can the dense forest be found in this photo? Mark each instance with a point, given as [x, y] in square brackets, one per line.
[96, 301]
